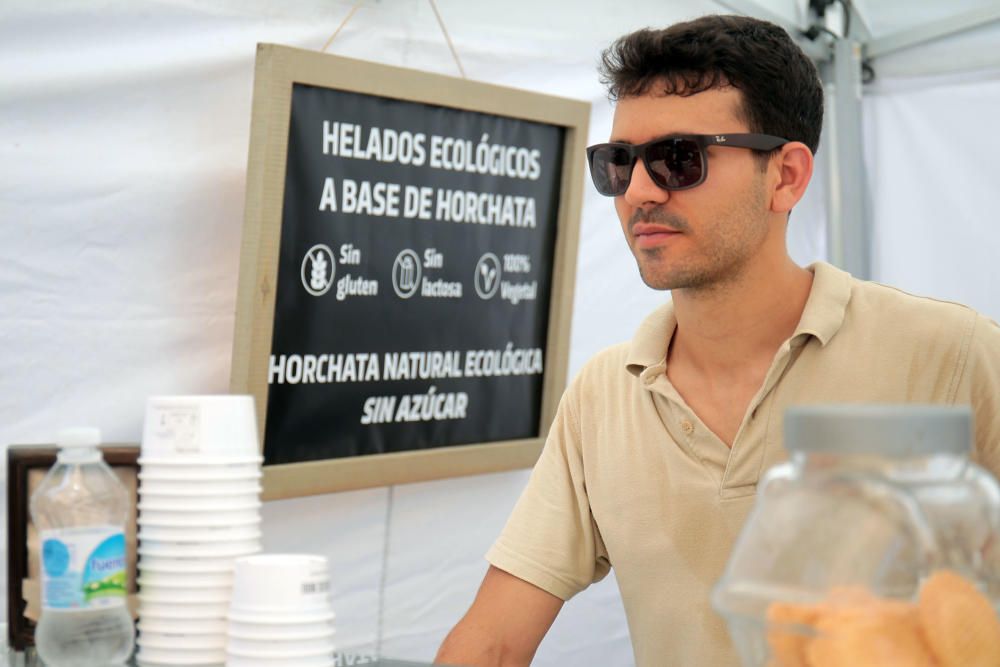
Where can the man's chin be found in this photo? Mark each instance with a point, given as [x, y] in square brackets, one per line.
[659, 282]
[674, 280]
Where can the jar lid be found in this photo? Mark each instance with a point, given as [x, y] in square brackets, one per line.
[885, 430]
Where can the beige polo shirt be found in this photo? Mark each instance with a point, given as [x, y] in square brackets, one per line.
[630, 478]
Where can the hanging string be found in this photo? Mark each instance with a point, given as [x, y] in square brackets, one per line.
[437, 14]
[336, 32]
[451, 46]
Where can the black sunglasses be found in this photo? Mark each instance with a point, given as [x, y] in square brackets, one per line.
[677, 162]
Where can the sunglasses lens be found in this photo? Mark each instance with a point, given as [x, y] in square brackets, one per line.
[611, 169]
[675, 163]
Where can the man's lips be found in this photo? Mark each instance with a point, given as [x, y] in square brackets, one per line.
[650, 235]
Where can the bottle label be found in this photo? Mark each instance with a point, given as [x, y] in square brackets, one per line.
[84, 568]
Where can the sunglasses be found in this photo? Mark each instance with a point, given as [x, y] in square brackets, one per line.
[677, 162]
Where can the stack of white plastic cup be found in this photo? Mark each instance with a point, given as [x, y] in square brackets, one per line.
[199, 510]
[280, 613]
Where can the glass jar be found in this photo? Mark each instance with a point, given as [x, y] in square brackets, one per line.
[874, 500]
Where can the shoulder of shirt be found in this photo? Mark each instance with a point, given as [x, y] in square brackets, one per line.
[893, 302]
[926, 322]
[603, 366]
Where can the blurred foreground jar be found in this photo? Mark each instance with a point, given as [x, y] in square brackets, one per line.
[877, 543]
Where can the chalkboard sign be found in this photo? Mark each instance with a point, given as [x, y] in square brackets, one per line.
[406, 271]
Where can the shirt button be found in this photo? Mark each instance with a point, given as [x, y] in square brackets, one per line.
[687, 427]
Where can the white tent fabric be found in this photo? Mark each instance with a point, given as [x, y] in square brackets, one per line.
[123, 140]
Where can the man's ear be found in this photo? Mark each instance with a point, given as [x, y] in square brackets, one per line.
[794, 168]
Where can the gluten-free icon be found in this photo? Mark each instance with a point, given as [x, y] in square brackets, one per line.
[318, 269]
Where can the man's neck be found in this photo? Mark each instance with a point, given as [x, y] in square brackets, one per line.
[724, 328]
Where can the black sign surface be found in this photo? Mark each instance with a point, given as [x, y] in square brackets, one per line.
[414, 277]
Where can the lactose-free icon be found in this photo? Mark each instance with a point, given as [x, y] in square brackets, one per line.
[318, 269]
[406, 274]
[487, 278]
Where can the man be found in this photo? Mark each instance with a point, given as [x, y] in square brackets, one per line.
[652, 462]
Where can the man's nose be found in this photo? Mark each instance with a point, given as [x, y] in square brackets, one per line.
[642, 190]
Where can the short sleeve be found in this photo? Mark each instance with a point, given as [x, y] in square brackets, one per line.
[980, 387]
[551, 539]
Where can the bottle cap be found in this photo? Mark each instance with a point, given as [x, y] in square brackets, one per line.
[79, 436]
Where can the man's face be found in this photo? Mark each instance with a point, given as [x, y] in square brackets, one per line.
[706, 235]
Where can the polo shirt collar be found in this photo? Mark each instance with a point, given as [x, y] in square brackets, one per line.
[821, 317]
[651, 340]
[826, 305]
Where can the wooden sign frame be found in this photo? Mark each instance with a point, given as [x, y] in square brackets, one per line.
[278, 68]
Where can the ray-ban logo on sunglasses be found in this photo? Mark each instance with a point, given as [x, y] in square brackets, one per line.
[720, 138]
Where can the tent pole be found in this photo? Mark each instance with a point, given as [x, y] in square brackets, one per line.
[849, 234]
[848, 229]
[922, 34]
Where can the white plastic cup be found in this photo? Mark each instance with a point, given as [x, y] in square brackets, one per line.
[280, 619]
[149, 501]
[203, 488]
[280, 649]
[209, 491]
[283, 653]
[188, 471]
[274, 632]
[170, 535]
[182, 519]
[205, 462]
[156, 656]
[150, 609]
[166, 641]
[180, 595]
[283, 583]
[196, 547]
[307, 661]
[192, 511]
[197, 426]
[189, 565]
[208, 550]
[184, 580]
[183, 626]
[199, 533]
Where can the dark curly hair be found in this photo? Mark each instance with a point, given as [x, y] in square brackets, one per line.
[782, 92]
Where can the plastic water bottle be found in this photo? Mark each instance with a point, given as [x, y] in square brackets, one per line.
[80, 510]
